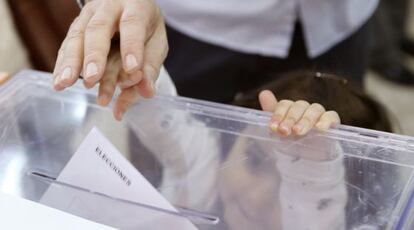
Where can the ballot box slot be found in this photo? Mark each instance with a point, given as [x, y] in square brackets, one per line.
[194, 216]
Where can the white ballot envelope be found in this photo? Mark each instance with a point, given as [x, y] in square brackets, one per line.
[19, 213]
[98, 166]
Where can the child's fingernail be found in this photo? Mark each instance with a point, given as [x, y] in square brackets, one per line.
[319, 126]
[131, 62]
[334, 125]
[298, 128]
[284, 129]
[91, 70]
[66, 74]
[274, 126]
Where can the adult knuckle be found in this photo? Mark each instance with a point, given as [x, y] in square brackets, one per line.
[71, 58]
[94, 54]
[129, 42]
[131, 18]
[96, 24]
[75, 32]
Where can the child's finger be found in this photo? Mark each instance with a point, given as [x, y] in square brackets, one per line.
[293, 115]
[309, 118]
[280, 111]
[267, 101]
[125, 100]
[328, 120]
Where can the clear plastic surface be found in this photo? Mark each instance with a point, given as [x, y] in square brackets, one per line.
[217, 164]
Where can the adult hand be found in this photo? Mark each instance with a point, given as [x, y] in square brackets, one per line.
[296, 117]
[143, 45]
[108, 83]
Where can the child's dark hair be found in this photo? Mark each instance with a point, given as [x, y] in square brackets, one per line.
[354, 107]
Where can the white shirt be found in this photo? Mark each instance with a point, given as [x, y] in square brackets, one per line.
[266, 26]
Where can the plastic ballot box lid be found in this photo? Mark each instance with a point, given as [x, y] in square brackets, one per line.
[218, 165]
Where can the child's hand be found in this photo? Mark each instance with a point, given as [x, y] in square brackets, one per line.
[296, 117]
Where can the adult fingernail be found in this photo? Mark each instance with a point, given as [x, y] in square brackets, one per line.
[66, 74]
[91, 70]
[131, 62]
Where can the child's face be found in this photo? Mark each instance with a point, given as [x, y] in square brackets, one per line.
[249, 187]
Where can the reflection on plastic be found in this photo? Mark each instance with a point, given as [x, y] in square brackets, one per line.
[214, 159]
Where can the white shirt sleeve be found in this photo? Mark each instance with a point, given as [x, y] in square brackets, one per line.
[313, 194]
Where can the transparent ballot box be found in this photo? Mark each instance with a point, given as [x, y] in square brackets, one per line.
[218, 165]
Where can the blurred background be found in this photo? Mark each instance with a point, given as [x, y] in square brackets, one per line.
[31, 33]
